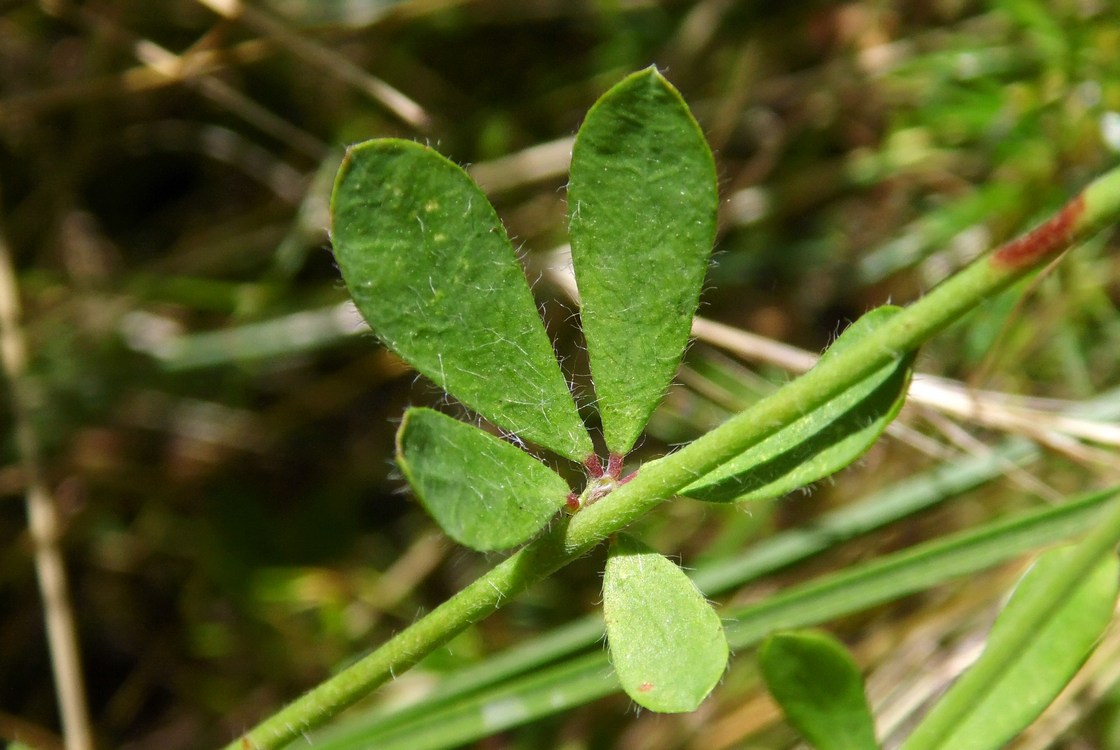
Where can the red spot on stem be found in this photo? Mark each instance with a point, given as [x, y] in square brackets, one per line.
[572, 503]
[645, 687]
[1043, 240]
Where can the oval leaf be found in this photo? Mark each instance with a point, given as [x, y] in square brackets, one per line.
[431, 269]
[1029, 684]
[482, 491]
[820, 689]
[642, 209]
[822, 441]
[666, 642]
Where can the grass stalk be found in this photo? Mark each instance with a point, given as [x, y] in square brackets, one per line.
[43, 519]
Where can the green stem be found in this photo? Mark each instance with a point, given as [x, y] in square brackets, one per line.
[659, 480]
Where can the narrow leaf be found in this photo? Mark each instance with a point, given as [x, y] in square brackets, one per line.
[820, 689]
[642, 205]
[824, 440]
[666, 642]
[482, 491]
[431, 269]
[1027, 685]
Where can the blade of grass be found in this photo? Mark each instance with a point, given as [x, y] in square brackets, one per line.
[1017, 635]
[1045, 667]
[544, 692]
[913, 570]
[43, 518]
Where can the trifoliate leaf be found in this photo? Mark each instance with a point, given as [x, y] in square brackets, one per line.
[431, 269]
[824, 440]
[482, 491]
[642, 205]
[666, 642]
[820, 690]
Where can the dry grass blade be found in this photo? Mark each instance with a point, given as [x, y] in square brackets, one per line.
[322, 57]
[43, 518]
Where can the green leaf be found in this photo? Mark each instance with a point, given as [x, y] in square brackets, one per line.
[824, 440]
[431, 268]
[482, 491]
[820, 689]
[642, 205]
[666, 642]
[1026, 686]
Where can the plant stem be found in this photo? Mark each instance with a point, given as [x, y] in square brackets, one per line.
[659, 480]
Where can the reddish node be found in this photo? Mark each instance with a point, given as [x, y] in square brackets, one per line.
[593, 465]
[628, 477]
[614, 465]
[1043, 240]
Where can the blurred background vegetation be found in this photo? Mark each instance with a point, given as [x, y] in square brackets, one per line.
[217, 427]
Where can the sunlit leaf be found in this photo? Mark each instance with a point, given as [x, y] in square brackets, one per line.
[666, 642]
[820, 690]
[824, 440]
[482, 491]
[431, 269]
[642, 203]
[1027, 686]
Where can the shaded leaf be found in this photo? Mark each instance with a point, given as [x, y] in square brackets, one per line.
[1063, 642]
[820, 689]
[666, 642]
[431, 269]
[821, 442]
[642, 203]
[482, 491]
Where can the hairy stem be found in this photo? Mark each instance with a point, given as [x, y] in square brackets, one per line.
[659, 480]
